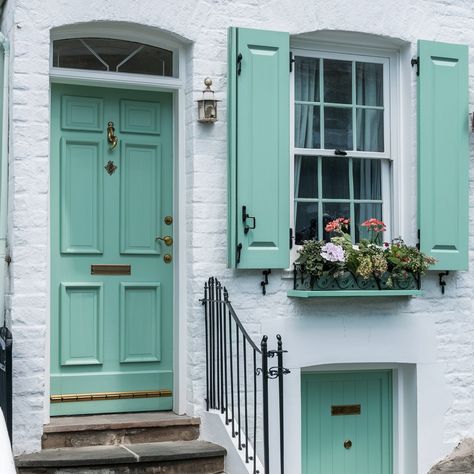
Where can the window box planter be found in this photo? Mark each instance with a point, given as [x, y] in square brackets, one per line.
[348, 284]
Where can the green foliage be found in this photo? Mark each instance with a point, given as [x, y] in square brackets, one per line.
[365, 260]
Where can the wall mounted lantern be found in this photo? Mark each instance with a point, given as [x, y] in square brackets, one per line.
[207, 106]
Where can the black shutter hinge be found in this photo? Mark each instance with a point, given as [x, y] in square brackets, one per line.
[418, 236]
[442, 283]
[292, 60]
[237, 255]
[264, 282]
[416, 62]
[291, 238]
[239, 64]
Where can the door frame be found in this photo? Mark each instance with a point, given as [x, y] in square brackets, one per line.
[175, 86]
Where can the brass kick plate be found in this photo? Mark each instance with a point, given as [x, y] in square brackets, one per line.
[111, 269]
[92, 397]
[338, 410]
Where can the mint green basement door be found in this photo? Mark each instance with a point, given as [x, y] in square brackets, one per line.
[111, 334]
[347, 423]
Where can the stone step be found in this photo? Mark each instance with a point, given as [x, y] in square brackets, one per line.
[123, 428]
[170, 457]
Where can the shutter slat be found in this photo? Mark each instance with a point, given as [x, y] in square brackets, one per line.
[259, 148]
[443, 153]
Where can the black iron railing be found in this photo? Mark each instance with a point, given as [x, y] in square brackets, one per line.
[237, 375]
[6, 345]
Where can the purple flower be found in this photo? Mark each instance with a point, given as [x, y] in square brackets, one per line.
[333, 253]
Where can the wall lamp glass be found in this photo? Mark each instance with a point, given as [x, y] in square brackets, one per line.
[207, 105]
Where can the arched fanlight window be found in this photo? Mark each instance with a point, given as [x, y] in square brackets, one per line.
[101, 54]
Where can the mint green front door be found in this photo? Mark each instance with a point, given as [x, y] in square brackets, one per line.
[111, 285]
[347, 423]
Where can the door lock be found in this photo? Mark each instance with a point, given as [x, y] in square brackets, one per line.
[167, 239]
[167, 258]
[348, 444]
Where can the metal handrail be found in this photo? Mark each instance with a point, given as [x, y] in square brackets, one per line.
[232, 378]
[6, 346]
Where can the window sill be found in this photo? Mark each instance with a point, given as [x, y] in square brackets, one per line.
[345, 293]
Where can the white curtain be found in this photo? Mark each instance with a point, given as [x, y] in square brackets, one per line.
[306, 78]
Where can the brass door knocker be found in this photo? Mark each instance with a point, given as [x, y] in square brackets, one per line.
[111, 137]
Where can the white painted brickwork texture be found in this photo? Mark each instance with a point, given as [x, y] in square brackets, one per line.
[446, 323]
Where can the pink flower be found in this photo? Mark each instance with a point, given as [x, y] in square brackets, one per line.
[337, 225]
[374, 225]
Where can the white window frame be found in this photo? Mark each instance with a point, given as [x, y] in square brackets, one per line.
[391, 156]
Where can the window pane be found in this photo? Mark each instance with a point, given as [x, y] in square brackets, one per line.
[367, 179]
[73, 54]
[306, 177]
[307, 126]
[333, 210]
[335, 178]
[111, 51]
[370, 130]
[369, 84]
[338, 81]
[338, 128]
[114, 55]
[307, 79]
[306, 227]
[149, 60]
[362, 213]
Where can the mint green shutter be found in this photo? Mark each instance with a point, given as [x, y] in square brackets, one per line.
[259, 155]
[443, 153]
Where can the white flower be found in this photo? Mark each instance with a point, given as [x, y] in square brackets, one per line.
[333, 253]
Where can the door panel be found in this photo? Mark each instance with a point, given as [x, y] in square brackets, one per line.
[111, 333]
[140, 322]
[81, 113]
[341, 407]
[140, 117]
[81, 196]
[81, 323]
[140, 205]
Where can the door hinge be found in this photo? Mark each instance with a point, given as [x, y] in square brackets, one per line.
[291, 238]
[239, 64]
[237, 255]
[416, 62]
[418, 236]
[292, 60]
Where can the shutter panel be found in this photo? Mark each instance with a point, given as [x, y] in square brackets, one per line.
[259, 154]
[443, 153]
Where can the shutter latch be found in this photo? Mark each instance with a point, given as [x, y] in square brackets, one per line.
[237, 256]
[246, 216]
[239, 64]
[416, 62]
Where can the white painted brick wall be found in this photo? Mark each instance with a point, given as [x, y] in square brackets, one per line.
[205, 24]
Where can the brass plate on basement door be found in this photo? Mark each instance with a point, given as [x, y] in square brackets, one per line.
[340, 410]
[111, 269]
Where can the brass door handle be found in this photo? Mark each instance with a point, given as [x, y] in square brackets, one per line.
[111, 137]
[167, 239]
